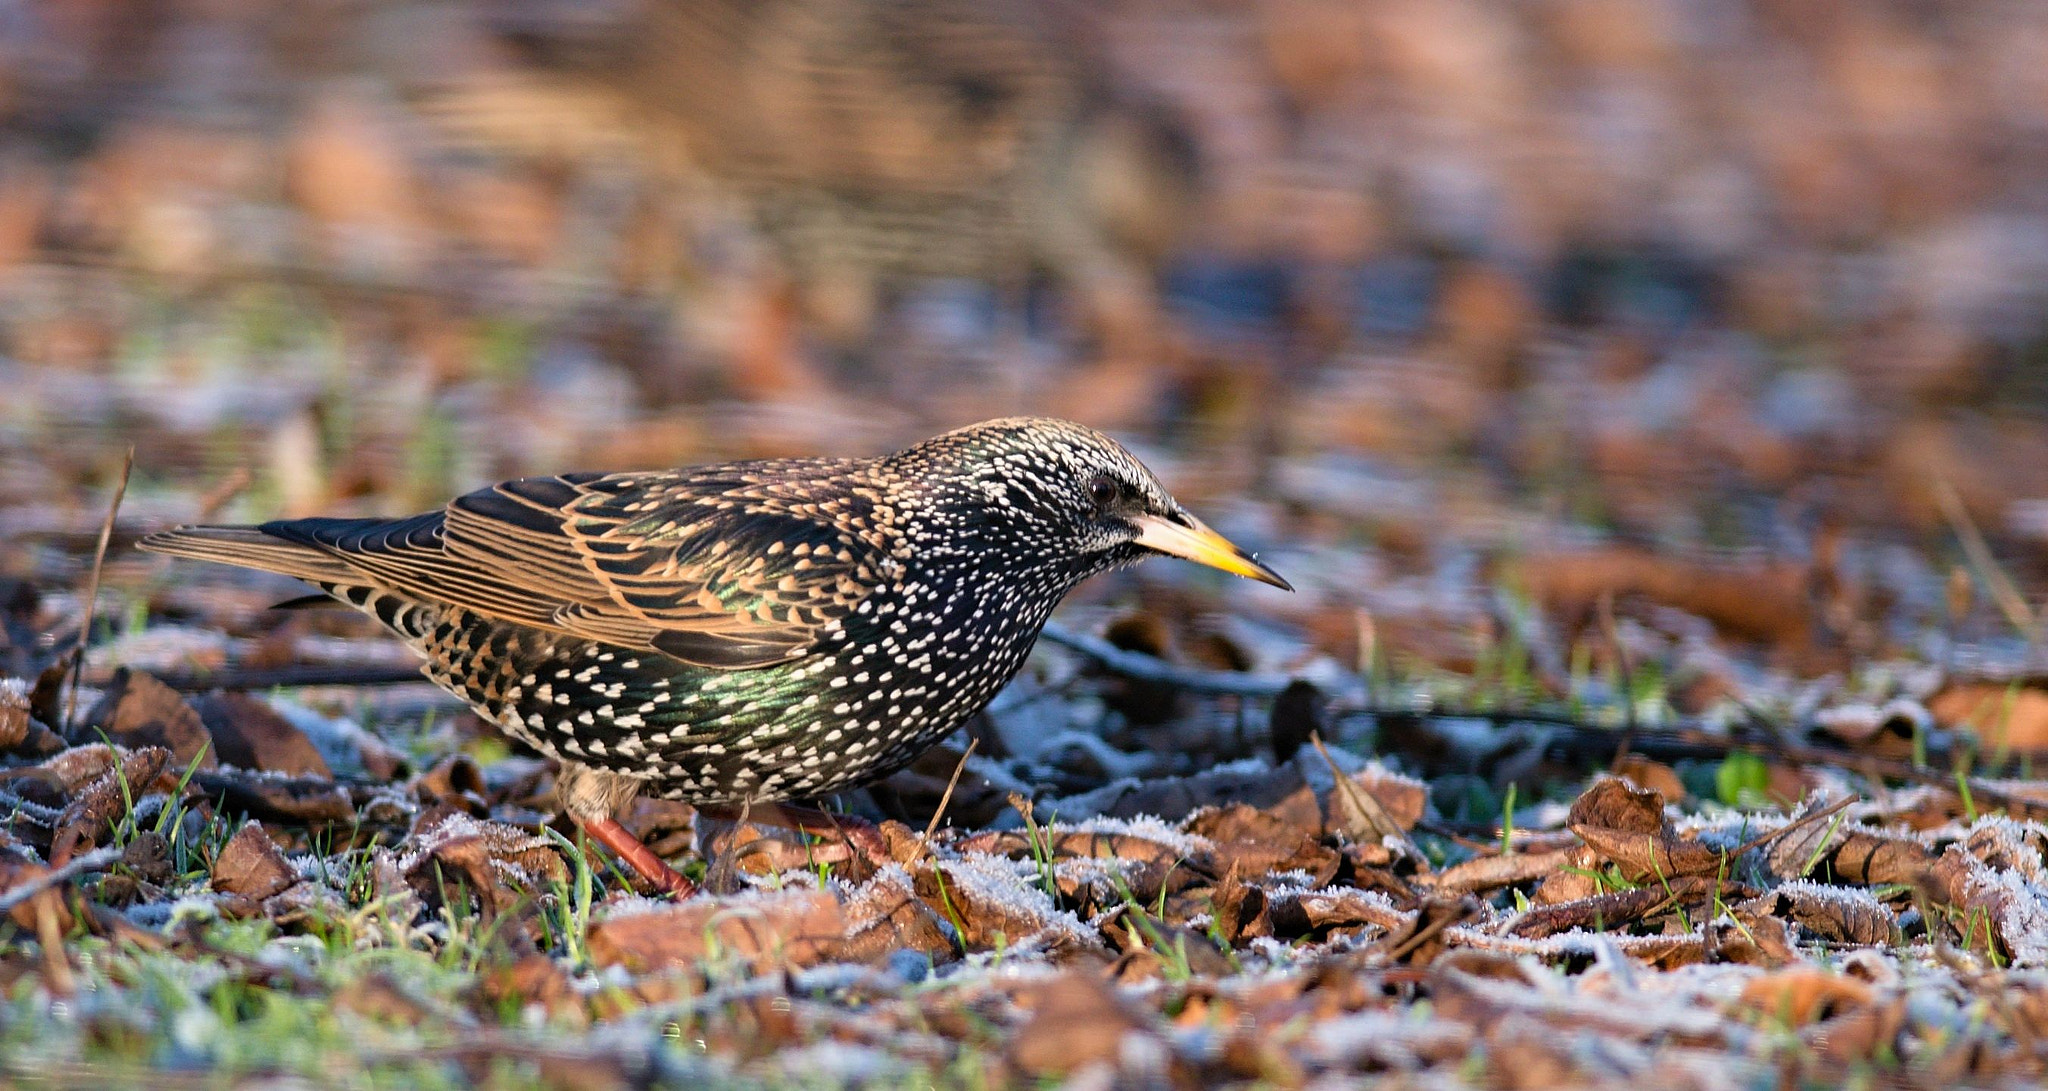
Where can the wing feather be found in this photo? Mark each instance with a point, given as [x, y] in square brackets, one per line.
[729, 566]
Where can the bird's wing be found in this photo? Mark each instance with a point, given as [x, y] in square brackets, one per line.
[730, 566]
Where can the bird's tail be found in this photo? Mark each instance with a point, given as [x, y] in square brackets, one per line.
[250, 547]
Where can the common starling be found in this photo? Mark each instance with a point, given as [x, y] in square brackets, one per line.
[749, 632]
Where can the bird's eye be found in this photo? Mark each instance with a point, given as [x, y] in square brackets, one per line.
[1103, 491]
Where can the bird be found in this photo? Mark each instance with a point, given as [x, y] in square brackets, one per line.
[749, 633]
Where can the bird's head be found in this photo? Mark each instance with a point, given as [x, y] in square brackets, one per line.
[1037, 494]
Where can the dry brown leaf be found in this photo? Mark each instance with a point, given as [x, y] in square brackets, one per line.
[1766, 603]
[886, 916]
[1797, 997]
[1076, 1022]
[1875, 858]
[1627, 826]
[380, 998]
[96, 807]
[532, 979]
[252, 866]
[795, 928]
[990, 908]
[503, 866]
[1070, 844]
[1749, 939]
[1251, 841]
[75, 767]
[17, 871]
[1604, 911]
[1496, 871]
[14, 714]
[456, 781]
[1652, 775]
[1401, 799]
[1861, 1032]
[1842, 914]
[1576, 877]
[1805, 846]
[1340, 907]
[248, 733]
[1421, 939]
[273, 797]
[2003, 715]
[1142, 938]
[136, 710]
[1989, 910]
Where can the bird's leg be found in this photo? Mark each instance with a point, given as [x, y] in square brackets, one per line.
[593, 797]
[636, 855]
[859, 834]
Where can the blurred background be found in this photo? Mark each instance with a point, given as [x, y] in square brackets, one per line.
[1735, 309]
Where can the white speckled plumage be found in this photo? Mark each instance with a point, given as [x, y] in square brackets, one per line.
[749, 631]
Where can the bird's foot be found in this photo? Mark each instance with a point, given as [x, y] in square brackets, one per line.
[636, 855]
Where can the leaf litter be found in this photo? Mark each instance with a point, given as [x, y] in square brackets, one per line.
[1513, 794]
[1625, 936]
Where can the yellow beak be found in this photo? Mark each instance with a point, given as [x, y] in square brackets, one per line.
[1196, 542]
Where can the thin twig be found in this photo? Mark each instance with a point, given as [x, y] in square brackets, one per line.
[1625, 670]
[79, 865]
[1763, 839]
[378, 674]
[222, 493]
[946, 798]
[56, 964]
[1365, 805]
[1147, 668]
[2008, 597]
[92, 586]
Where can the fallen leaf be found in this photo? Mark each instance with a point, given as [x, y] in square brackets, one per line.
[1251, 841]
[97, 806]
[454, 780]
[1839, 913]
[380, 998]
[885, 916]
[503, 866]
[533, 979]
[1872, 858]
[14, 713]
[985, 899]
[1401, 799]
[136, 710]
[1076, 1021]
[1766, 603]
[1421, 940]
[249, 734]
[795, 928]
[2004, 715]
[1652, 775]
[1627, 826]
[274, 797]
[17, 871]
[1499, 870]
[1797, 997]
[1616, 908]
[252, 866]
